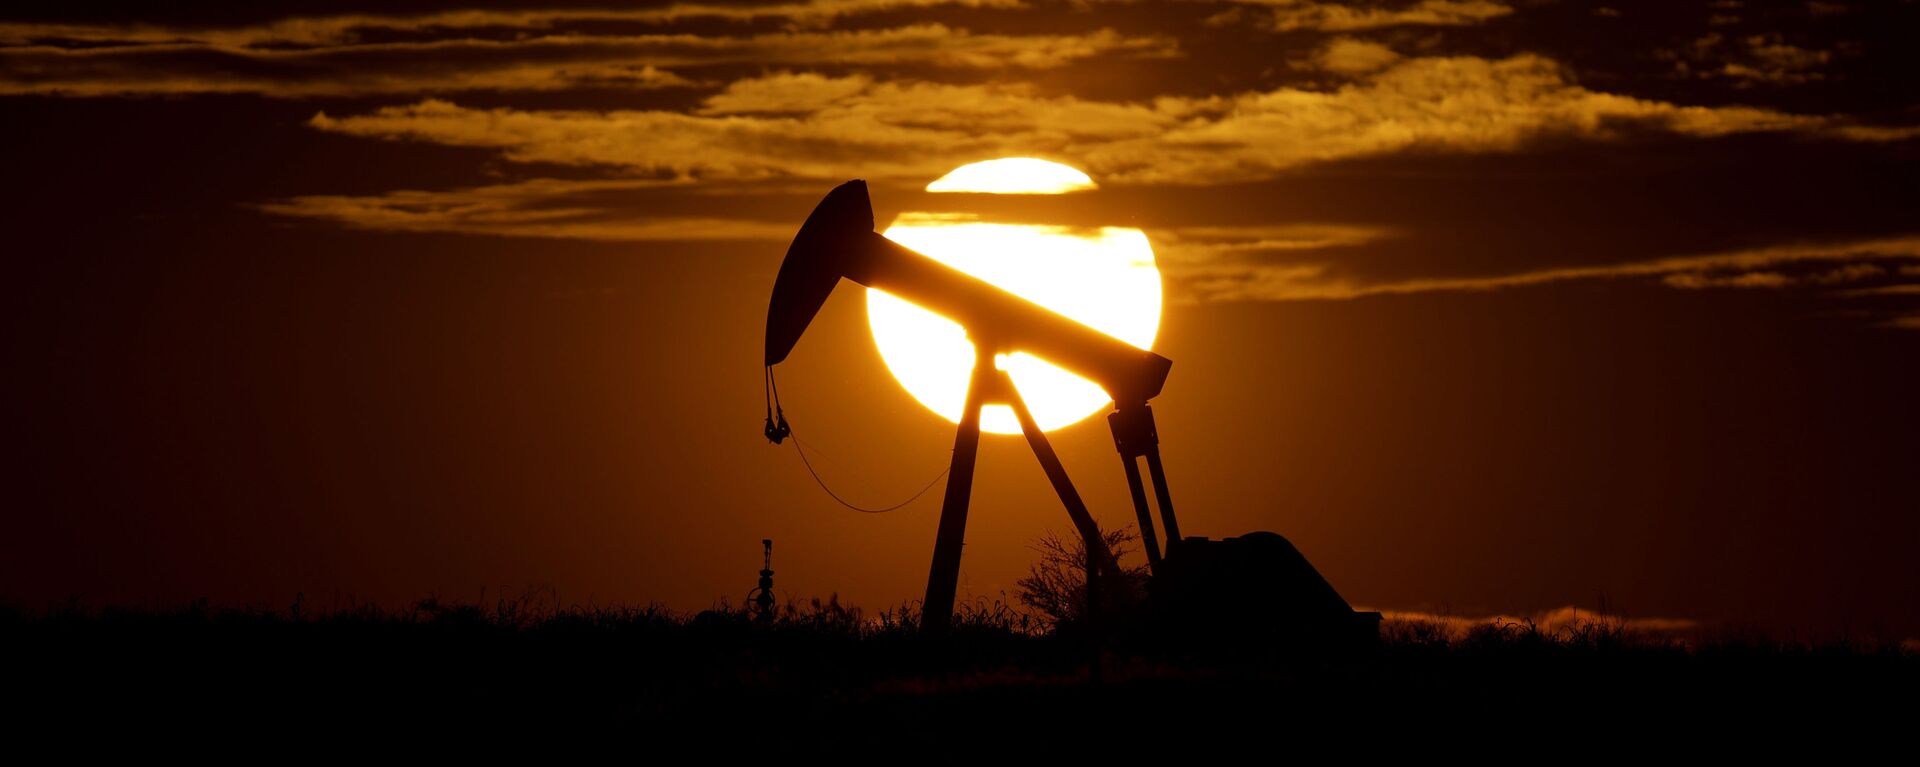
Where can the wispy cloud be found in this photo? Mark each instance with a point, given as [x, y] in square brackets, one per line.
[1748, 61]
[1202, 264]
[536, 63]
[347, 29]
[1558, 621]
[1910, 289]
[1348, 56]
[1251, 280]
[884, 130]
[296, 75]
[1193, 245]
[543, 208]
[592, 210]
[1288, 15]
[839, 127]
[1460, 104]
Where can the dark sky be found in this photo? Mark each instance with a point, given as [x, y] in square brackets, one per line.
[1490, 307]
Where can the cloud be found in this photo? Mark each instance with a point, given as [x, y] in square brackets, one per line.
[1253, 280]
[547, 62]
[148, 73]
[1749, 61]
[883, 130]
[1201, 264]
[816, 126]
[1347, 56]
[1885, 290]
[1289, 15]
[346, 29]
[1459, 104]
[1562, 621]
[784, 92]
[1200, 245]
[1779, 62]
[592, 210]
[543, 208]
[1700, 281]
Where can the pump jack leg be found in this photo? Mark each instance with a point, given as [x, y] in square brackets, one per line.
[936, 612]
[1148, 540]
[1161, 494]
[1098, 556]
[1134, 436]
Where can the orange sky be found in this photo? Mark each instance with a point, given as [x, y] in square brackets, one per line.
[1491, 307]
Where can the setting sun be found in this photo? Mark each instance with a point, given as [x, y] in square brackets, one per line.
[1013, 175]
[1104, 277]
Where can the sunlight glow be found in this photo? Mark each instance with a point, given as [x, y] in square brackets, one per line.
[1013, 175]
[1102, 276]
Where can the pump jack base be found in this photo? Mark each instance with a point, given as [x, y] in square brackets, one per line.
[1256, 589]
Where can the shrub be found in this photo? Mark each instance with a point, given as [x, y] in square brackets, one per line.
[1056, 585]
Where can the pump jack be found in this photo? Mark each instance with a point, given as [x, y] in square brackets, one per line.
[838, 241]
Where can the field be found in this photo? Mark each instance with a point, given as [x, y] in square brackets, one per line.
[826, 679]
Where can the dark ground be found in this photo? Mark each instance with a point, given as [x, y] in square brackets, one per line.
[826, 681]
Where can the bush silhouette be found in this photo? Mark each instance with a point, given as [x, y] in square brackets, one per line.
[1055, 586]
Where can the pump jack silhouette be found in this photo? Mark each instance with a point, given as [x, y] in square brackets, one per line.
[838, 241]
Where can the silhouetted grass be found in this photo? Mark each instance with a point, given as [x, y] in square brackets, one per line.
[818, 674]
